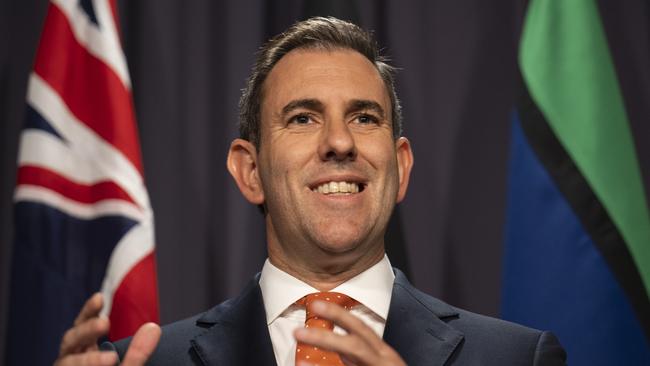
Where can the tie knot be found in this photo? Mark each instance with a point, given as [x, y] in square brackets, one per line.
[337, 298]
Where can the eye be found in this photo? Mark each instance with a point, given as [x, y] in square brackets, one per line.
[367, 119]
[300, 119]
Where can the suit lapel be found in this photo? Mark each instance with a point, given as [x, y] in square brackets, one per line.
[237, 333]
[415, 328]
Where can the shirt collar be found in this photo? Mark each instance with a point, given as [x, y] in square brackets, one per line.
[372, 288]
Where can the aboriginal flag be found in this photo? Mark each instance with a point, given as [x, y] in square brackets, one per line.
[577, 255]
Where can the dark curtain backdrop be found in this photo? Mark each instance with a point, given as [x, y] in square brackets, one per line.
[188, 61]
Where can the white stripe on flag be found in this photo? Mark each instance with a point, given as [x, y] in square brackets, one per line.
[101, 41]
[133, 247]
[108, 163]
[84, 211]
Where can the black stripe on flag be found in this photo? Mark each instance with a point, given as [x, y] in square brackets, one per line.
[585, 204]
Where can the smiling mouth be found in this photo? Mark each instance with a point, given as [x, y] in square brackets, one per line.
[329, 188]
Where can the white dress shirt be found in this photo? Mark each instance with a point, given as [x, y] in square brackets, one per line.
[371, 288]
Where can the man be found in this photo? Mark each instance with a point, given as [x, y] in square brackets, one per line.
[321, 153]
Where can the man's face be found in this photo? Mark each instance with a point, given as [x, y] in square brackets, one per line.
[330, 169]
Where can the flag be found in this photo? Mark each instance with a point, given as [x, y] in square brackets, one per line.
[577, 251]
[83, 221]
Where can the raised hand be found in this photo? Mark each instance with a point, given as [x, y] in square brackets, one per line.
[361, 346]
[79, 343]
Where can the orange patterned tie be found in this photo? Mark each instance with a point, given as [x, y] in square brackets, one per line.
[313, 354]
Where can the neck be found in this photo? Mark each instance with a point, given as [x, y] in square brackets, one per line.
[326, 273]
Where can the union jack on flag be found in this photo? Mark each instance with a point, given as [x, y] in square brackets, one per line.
[83, 221]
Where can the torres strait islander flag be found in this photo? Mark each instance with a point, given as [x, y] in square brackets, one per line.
[83, 222]
[577, 255]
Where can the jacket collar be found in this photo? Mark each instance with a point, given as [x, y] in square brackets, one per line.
[416, 326]
[237, 333]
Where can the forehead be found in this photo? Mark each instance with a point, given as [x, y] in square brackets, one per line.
[327, 75]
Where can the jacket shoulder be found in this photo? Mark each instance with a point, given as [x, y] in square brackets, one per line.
[175, 345]
[488, 340]
[504, 342]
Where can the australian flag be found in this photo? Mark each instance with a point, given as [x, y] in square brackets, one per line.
[83, 221]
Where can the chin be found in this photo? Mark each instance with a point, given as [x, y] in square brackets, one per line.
[339, 235]
[338, 242]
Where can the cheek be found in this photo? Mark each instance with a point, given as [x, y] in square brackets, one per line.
[290, 154]
[380, 154]
[269, 174]
[280, 173]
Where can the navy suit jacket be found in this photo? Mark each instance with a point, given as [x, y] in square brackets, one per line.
[422, 329]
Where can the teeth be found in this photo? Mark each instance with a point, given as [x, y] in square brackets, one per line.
[337, 187]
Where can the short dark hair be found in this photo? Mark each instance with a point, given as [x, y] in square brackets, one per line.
[314, 33]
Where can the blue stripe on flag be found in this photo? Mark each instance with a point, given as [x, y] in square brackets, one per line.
[89, 9]
[555, 278]
[35, 120]
[60, 261]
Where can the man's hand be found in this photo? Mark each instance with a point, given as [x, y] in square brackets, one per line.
[79, 343]
[361, 346]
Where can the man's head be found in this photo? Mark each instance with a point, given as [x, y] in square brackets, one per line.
[314, 33]
[328, 165]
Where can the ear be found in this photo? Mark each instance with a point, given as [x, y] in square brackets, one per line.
[242, 165]
[404, 165]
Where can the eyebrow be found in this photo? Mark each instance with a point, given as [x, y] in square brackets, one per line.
[316, 105]
[309, 103]
[357, 105]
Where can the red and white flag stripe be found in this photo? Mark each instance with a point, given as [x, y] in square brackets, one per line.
[86, 163]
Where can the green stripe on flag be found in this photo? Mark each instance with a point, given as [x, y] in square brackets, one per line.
[569, 71]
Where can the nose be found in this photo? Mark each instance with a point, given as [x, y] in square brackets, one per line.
[337, 142]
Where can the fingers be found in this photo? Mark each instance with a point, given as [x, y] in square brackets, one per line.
[91, 308]
[91, 358]
[360, 346]
[79, 343]
[350, 347]
[347, 321]
[142, 345]
[83, 335]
